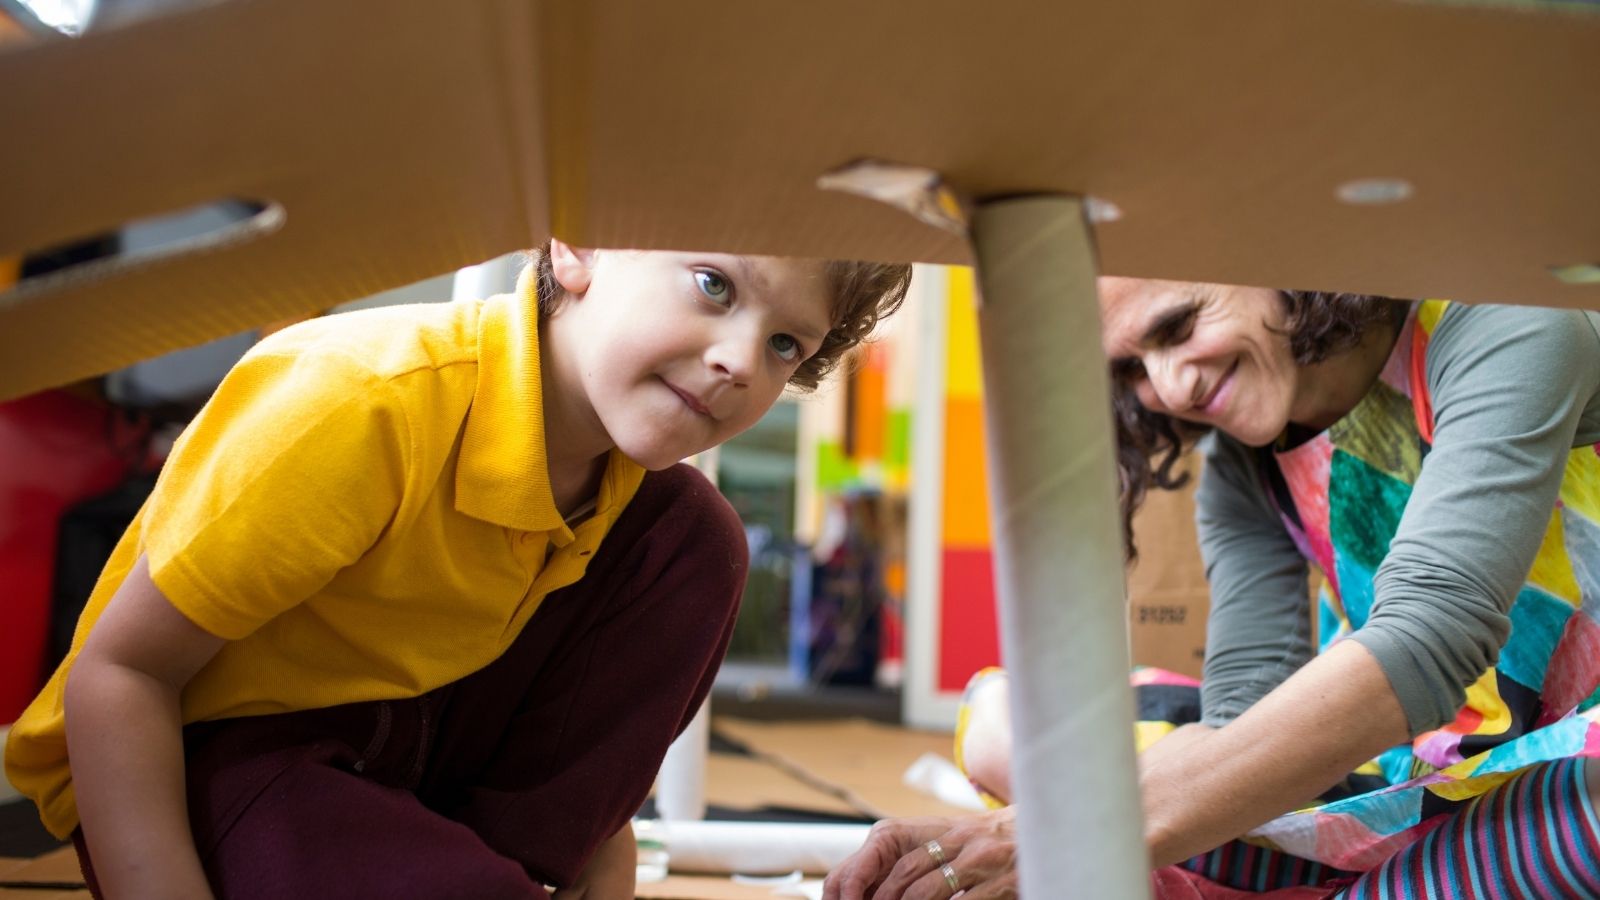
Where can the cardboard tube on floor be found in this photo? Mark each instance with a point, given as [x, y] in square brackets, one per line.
[760, 848]
[1058, 551]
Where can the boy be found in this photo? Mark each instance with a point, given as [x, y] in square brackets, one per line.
[365, 638]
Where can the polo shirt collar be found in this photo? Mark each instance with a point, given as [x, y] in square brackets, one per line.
[503, 475]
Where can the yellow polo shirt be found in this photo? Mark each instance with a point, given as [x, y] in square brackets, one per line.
[363, 511]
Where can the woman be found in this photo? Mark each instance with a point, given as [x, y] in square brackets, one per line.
[1439, 465]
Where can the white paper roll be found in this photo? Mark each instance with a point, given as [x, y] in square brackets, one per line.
[760, 848]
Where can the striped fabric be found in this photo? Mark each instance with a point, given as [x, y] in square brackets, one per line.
[1534, 836]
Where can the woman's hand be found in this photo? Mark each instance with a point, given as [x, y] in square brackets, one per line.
[901, 861]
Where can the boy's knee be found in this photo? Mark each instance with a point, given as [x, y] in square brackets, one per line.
[688, 511]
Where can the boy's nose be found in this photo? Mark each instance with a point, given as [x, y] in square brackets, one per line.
[735, 357]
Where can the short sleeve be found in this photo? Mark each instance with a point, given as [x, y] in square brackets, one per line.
[1509, 386]
[1258, 632]
[290, 473]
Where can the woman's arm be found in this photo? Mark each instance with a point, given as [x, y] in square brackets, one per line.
[1223, 782]
[124, 734]
[1203, 786]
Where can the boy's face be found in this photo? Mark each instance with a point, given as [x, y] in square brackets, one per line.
[670, 354]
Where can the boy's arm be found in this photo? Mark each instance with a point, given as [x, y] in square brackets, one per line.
[124, 735]
[610, 872]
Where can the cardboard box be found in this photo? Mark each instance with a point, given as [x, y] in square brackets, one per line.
[1167, 594]
[391, 140]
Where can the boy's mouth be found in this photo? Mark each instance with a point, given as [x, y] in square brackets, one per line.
[689, 399]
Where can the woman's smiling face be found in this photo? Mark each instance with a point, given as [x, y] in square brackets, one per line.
[1206, 353]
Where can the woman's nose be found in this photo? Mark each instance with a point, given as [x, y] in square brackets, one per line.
[1172, 383]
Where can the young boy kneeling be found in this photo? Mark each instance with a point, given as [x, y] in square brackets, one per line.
[423, 594]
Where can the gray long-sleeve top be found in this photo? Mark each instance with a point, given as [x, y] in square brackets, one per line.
[1513, 389]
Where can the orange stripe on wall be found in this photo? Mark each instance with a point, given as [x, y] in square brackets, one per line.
[871, 411]
[966, 496]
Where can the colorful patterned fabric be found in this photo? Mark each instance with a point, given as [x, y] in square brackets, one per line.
[1346, 490]
[1536, 834]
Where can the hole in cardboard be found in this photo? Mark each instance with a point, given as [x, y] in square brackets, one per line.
[1582, 273]
[68, 17]
[197, 229]
[1374, 191]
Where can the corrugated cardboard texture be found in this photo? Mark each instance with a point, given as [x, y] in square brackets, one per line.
[403, 138]
[1167, 593]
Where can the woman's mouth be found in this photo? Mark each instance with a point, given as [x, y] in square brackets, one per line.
[1213, 403]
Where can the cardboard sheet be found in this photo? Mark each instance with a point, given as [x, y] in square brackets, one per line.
[738, 782]
[1220, 128]
[860, 762]
[37, 879]
[1167, 594]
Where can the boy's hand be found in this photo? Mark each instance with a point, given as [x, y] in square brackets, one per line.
[610, 872]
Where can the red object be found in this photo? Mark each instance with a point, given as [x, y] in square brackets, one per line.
[56, 449]
[969, 632]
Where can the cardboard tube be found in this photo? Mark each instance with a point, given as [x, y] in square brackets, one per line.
[681, 783]
[1058, 552]
[760, 848]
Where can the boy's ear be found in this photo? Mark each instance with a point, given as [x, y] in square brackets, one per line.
[573, 267]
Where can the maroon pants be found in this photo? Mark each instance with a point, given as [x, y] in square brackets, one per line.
[508, 779]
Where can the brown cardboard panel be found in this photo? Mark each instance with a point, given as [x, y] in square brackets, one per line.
[57, 866]
[738, 782]
[403, 138]
[862, 760]
[388, 132]
[1167, 593]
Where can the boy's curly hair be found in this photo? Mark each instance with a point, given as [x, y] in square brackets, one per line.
[1150, 445]
[863, 293]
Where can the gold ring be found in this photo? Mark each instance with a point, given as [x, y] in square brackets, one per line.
[950, 876]
[935, 851]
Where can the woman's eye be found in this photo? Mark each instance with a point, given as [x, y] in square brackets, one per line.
[713, 286]
[1179, 329]
[787, 348]
[1128, 370]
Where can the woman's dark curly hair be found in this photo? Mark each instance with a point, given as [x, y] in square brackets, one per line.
[1150, 445]
[863, 293]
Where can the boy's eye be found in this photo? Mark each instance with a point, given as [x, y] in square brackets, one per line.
[787, 348]
[714, 286]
